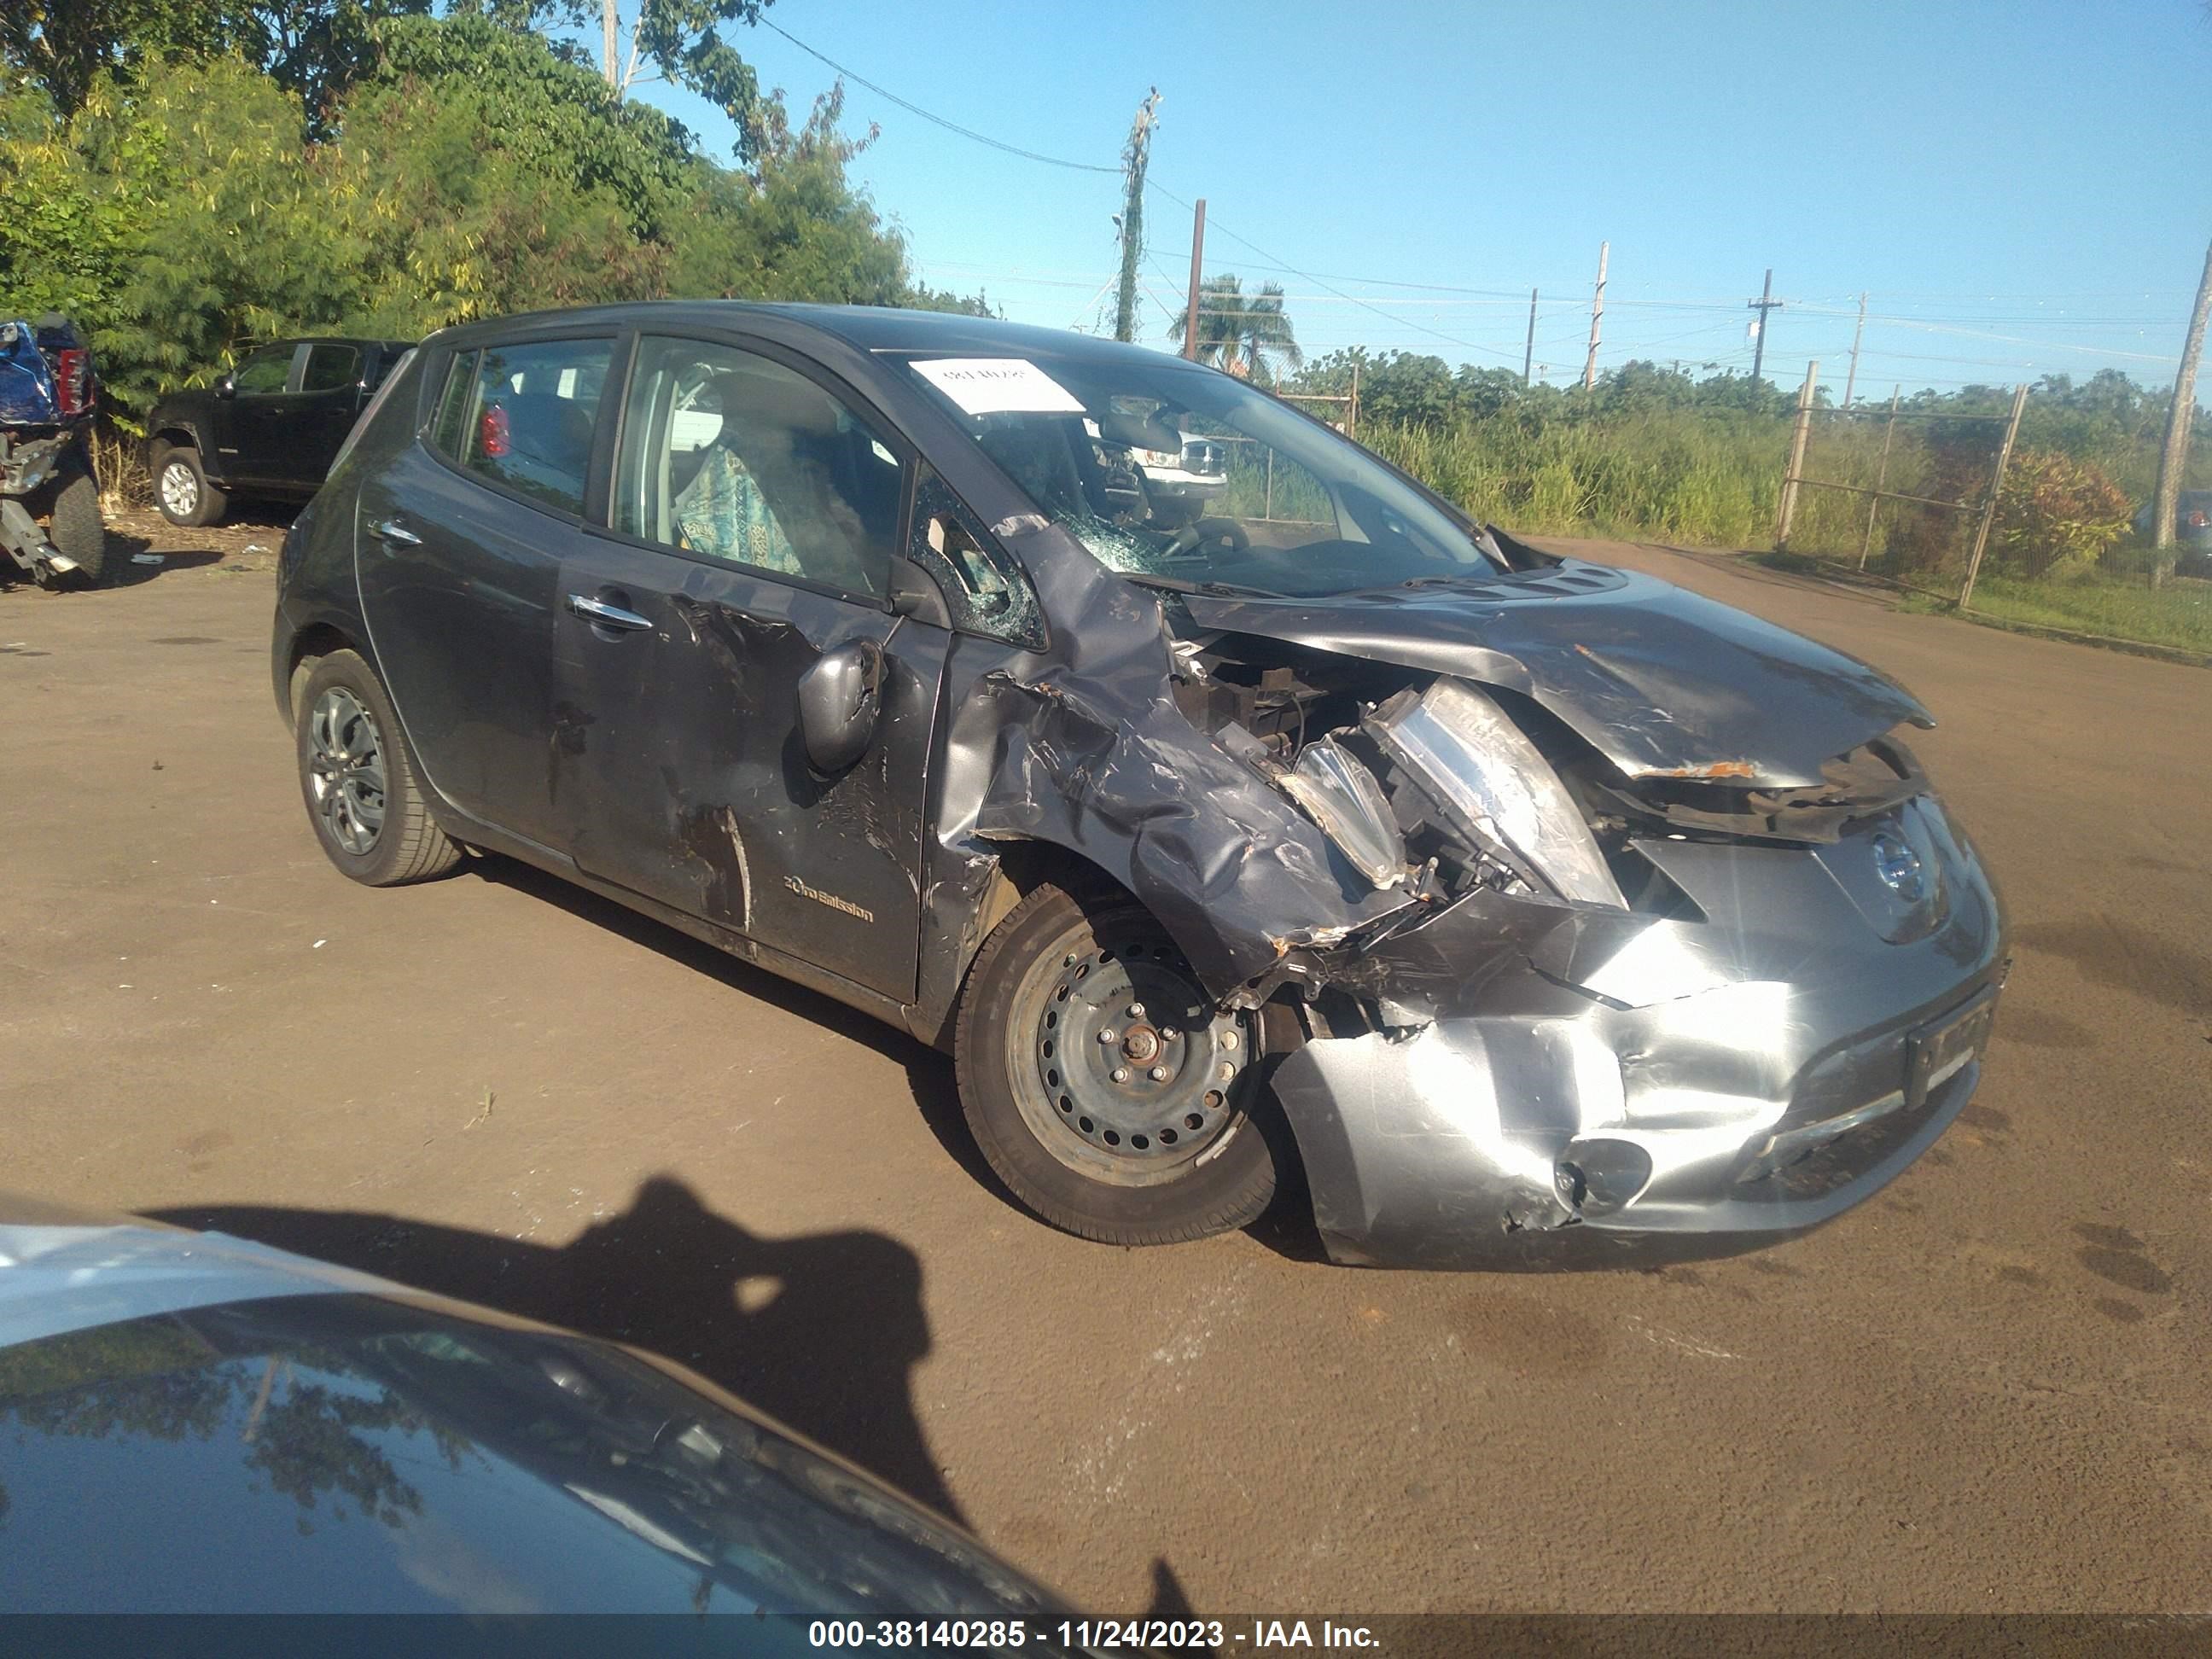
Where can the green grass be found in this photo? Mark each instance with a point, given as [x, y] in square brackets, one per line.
[2179, 614]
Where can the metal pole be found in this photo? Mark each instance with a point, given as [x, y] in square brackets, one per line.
[1528, 358]
[1763, 305]
[1197, 264]
[1989, 507]
[1597, 316]
[2173, 455]
[1267, 510]
[1798, 439]
[1881, 477]
[1351, 409]
[1852, 379]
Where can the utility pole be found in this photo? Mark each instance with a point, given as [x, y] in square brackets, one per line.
[1765, 303]
[1135, 157]
[2173, 459]
[1852, 379]
[1597, 316]
[610, 40]
[1797, 439]
[1528, 358]
[1197, 261]
[1989, 507]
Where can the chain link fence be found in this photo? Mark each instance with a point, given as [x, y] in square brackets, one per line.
[1959, 513]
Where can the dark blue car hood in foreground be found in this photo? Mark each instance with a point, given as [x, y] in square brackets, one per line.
[1660, 682]
[193, 1424]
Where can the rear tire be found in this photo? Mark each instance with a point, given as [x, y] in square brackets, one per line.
[1070, 1015]
[181, 489]
[75, 528]
[359, 780]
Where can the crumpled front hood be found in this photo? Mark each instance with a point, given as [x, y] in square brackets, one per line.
[1660, 681]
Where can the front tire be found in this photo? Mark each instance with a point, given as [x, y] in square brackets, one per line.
[182, 491]
[1100, 1084]
[359, 780]
[75, 526]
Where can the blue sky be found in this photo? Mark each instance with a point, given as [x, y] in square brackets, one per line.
[2021, 188]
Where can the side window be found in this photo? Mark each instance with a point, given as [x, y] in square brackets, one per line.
[451, 414]
[523, 415]
[733, 457]
[986, 590]
[330, 366]
[264, 372]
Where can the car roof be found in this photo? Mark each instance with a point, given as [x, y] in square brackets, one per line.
[866, 328]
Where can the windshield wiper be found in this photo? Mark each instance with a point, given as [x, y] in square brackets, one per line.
[1213, 589]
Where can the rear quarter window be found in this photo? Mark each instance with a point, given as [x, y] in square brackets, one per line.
[524, 415]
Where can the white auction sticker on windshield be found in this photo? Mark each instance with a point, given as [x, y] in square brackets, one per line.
[997, 386]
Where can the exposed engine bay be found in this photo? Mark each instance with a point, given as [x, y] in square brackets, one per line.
[1436, 785]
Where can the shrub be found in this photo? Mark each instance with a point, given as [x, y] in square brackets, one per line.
[2057, 516]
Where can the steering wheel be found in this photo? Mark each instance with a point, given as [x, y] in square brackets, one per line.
[1208, 535]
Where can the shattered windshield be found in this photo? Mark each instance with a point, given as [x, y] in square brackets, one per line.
[1178, 475]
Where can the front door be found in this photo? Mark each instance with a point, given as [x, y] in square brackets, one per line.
[255, 439]
[752, 527]
[459, 545]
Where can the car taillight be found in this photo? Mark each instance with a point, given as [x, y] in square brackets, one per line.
[491, 433]
[72, 382]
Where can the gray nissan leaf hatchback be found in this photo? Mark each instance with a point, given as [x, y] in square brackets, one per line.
[1524, 909]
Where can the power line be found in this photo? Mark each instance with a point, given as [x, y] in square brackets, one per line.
[916, 109]
[1402, 322]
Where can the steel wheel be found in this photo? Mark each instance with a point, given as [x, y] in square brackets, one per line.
[1120, 1067]
[180, 488]
[346, 770]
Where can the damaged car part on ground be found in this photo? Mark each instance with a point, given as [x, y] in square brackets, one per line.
[1532, 907]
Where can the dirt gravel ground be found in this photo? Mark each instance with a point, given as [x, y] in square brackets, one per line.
[1988, 1389]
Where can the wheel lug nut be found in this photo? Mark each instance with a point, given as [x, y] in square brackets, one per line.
[1108, 1034]
[1121, 1074]
[1229, 1041]
[1160, 1074]
[1167, 1034]
[1228, 1072]
[1136, 1010]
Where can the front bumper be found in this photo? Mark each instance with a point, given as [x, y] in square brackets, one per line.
[1619, 1089]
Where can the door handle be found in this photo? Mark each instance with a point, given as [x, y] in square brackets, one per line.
[393, 531]
[602, 614]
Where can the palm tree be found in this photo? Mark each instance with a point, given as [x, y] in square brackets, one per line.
[1247, 335]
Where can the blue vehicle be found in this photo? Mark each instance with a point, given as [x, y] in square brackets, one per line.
[48, 395]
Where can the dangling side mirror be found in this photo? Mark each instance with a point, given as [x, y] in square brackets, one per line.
[840, 702]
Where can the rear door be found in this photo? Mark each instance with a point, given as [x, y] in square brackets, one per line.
[459, 547]
[332, 389]
[755, 512]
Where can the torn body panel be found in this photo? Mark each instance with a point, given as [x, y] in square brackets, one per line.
[1084, 747]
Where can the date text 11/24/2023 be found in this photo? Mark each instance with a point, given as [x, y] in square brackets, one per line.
[1214, 1635]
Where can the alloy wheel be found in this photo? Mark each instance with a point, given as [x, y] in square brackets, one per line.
[180, 488]
[346, 773]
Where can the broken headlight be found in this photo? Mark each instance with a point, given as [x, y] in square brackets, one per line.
[1343, 798]
[1482, 773]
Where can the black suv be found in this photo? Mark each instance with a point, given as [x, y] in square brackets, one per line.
[271, 427]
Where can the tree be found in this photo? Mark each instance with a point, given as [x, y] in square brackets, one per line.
[313, 48]
[1248, 335]
[680, 41]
